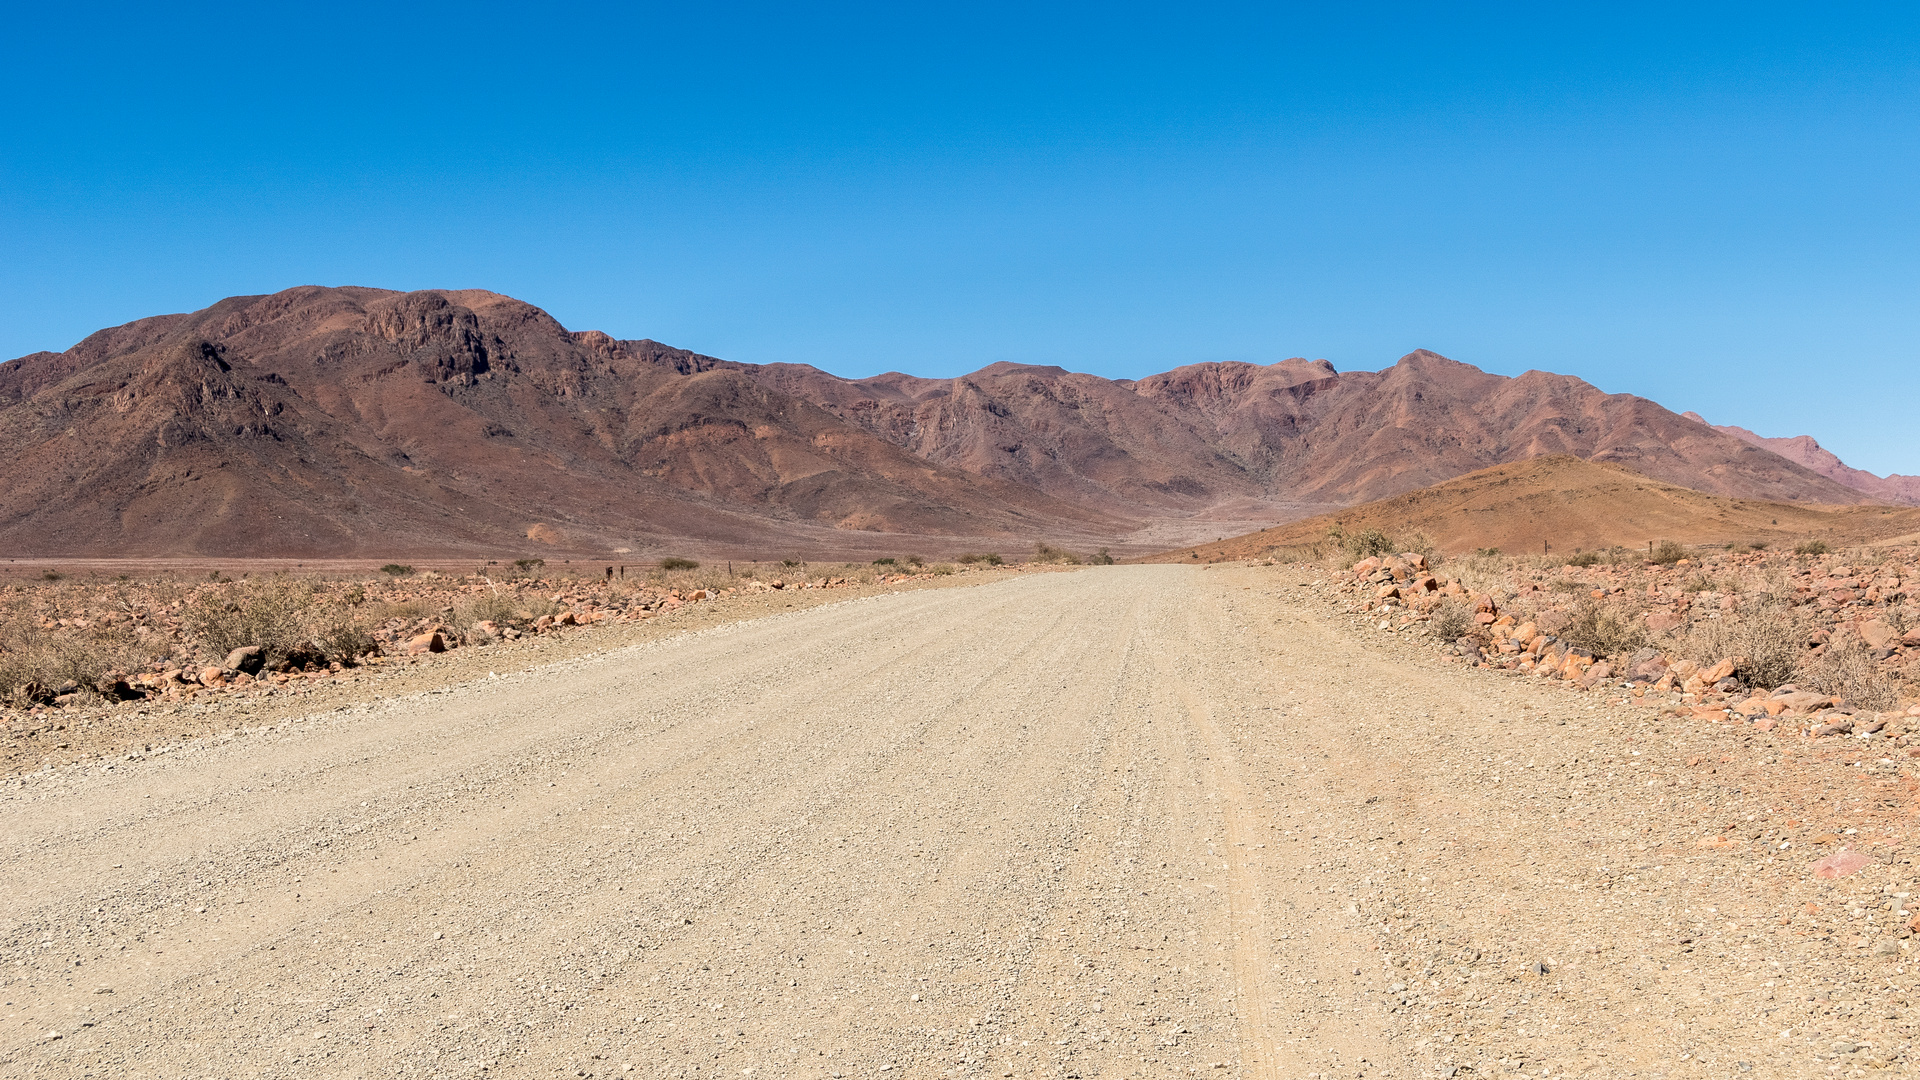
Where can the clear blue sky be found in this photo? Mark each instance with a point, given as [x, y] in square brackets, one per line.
[1717, 207]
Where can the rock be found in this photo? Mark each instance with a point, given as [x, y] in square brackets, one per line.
[247, 658]
[1662, 621]
[702, 594]
[1877, 634]
[1718, 671]
[1387, 592]
[566, 618]
[1360, 569]
[1911, 639]
[1596, 675]
[1802, 700]
[1525, 633]
[1838, 727]
[213, 676]
[1842, 863]
[427, 643]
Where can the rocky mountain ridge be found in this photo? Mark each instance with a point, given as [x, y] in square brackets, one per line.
[1804, 450]
[344, 421]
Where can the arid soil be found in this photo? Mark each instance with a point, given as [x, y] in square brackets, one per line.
[1127, 821]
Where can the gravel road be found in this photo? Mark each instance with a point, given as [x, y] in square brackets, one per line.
[1132, 821]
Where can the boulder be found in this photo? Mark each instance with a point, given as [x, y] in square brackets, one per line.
[213, 676]
[1802, 701]
[1877, 634]
[1648, 668]
[1662, 621]
[1719, 671]
[247, 658]
[1525, 633]
[427, 643]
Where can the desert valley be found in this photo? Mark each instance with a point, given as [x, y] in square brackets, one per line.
[402, 681]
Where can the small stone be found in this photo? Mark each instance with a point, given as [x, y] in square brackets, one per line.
[1845, 1047]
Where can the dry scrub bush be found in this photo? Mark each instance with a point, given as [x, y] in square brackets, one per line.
[34, 663]
[1847, 670]
[1603, 631]
[1767, 643]
[291, 620]
[1451, 620]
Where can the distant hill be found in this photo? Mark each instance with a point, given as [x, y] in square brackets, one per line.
[356, 421]
[1570, 505]
[1803, 450]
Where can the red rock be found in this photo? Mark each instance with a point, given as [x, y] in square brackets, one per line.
[1842, 863]
[212, 676]
[1802, 701]
[1877, 634]
[1662, 621]
[427, 643]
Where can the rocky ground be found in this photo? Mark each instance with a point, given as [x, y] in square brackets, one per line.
[420, 631]
[1818, 644]
[1130, 821]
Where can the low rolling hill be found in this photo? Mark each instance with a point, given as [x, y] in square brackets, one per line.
[1564, 504]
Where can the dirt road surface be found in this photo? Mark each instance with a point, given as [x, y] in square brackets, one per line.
[1132, 821]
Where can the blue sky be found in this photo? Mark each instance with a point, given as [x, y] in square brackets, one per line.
[1712, 206]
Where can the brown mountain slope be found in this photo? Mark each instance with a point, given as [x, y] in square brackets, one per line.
[352, 421]
[349, 421]
[1572, 505]
[1803, 450]
[1293, 434]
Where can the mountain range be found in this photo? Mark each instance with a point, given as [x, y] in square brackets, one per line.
[366, 422]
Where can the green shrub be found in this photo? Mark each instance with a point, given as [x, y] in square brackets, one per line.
[887, 561]
[1811, 547]
[975, 557]
[1584, 558]
[1103, 557]
[395, 569]
[1047, 553]
[1368, 543]
[674, 562]
[528, 566]
[1666, 553]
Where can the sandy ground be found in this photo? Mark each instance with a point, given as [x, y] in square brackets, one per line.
[1130, 821]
